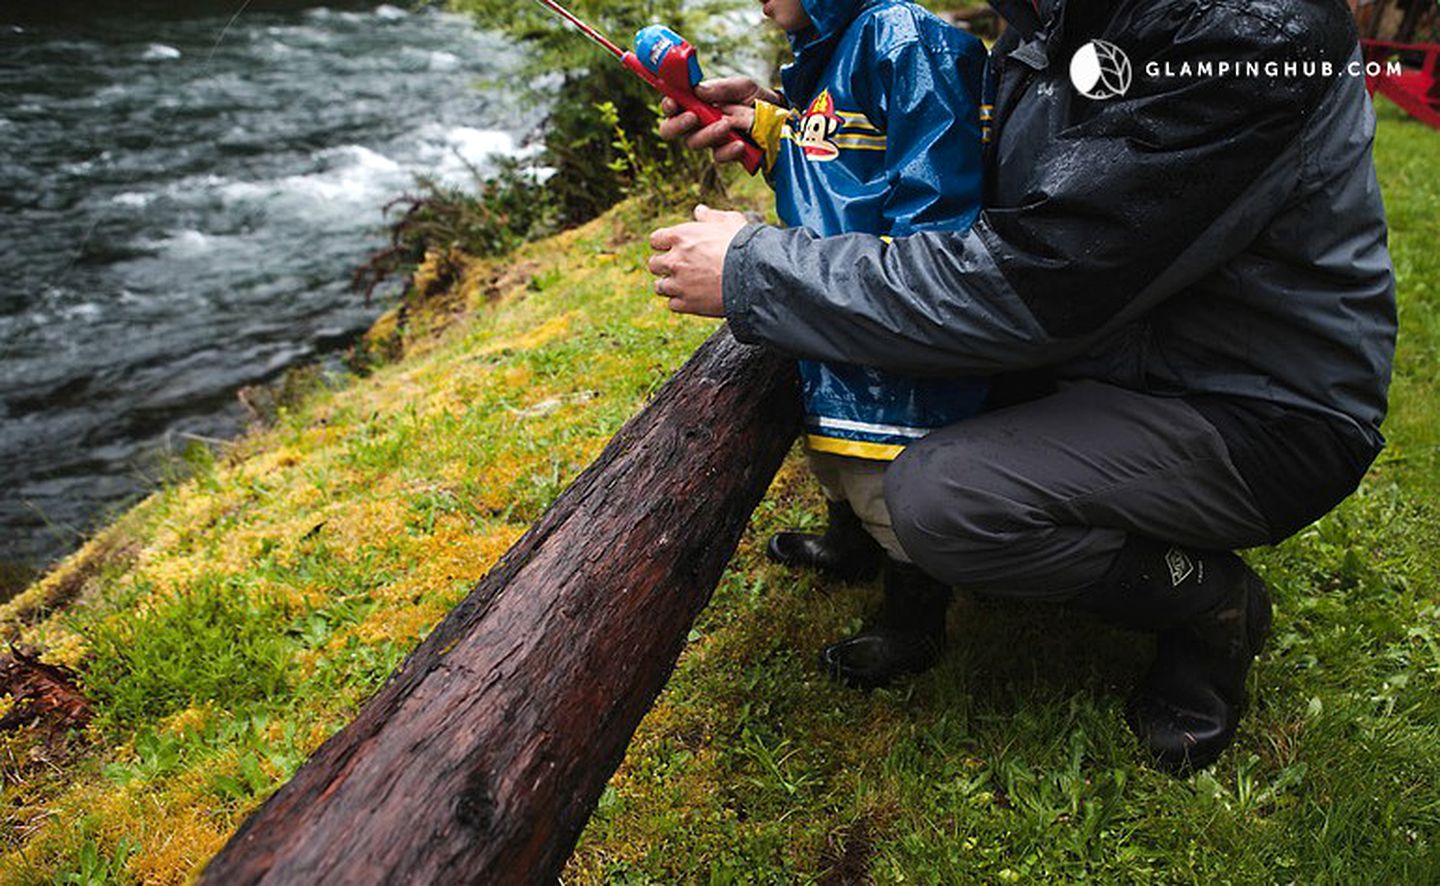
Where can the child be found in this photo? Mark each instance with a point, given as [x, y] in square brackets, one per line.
[882, 136]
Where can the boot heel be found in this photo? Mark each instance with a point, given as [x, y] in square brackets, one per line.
[1259, 617]
[1212, 615]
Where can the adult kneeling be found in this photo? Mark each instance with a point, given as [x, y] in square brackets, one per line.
[1195, 271]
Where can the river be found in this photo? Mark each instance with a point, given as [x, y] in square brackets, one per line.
[182, 200]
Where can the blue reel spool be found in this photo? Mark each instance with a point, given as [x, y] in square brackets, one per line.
[655, 42]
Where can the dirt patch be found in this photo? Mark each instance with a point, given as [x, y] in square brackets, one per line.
[508, 278]
[845, 861]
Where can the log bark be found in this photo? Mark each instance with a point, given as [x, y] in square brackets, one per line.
[482, 757]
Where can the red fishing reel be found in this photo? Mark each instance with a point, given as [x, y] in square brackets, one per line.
[669, 63]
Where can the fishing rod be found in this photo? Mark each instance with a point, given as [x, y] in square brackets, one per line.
[669, 64]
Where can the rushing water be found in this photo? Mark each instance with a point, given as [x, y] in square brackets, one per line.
[181, 204]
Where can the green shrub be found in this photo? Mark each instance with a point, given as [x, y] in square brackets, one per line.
[213, 642]
[592, 97]
[507, 209]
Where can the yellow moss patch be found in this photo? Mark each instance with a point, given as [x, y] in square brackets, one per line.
[404, 624]
[190, 719]
[65, 648]
[177, 849]
[448, 556]
[432, 268]
[384, 333]
[404, 473]
[543, 334]
[363, 524]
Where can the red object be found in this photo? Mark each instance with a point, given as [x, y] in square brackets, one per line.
[673, 80]
[1415, 91]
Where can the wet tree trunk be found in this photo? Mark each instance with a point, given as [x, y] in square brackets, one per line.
[482, 757]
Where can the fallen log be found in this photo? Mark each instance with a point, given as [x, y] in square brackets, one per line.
[482, 757]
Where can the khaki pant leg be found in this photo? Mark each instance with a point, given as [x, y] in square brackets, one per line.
[861, 482]
[827, 472]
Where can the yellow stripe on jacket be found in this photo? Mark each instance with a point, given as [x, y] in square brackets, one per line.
[854, 448]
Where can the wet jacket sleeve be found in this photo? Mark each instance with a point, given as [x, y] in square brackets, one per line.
[928, 102]
[1133, 200]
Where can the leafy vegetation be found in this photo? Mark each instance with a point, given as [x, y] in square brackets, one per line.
[509, 208]
[239, 618]
[211, 642]
[598, 145]
[593, 98]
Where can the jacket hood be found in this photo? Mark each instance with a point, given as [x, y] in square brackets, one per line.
[829, 20]
[830, 17]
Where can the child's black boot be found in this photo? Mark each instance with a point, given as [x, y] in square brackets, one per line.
[907, 638]
[846, 551]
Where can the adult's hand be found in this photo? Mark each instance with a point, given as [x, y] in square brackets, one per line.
[691, 261]
[735, 96]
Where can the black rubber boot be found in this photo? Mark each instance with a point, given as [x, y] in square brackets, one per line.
[846, 551]
[1212, 614]
[907, 638]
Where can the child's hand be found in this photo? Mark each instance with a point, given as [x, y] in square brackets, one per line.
[735, 97]
[690, 265]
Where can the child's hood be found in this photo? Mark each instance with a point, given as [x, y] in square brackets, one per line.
[830, 18]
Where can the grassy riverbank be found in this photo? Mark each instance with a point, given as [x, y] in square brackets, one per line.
[227, 625]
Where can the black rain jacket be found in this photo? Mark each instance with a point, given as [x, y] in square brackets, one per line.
[1216, 238]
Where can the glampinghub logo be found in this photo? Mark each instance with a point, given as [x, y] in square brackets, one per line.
[1101, 70]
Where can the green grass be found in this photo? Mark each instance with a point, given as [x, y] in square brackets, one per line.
[1406, 155]
[212, 642]
[1010, 762]
[230, 623]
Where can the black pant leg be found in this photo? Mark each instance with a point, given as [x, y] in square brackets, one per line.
[1037, 499]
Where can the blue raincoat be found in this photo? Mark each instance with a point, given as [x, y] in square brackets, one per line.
[882, 136]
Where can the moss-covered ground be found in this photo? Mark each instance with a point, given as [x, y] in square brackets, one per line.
[231, 622]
